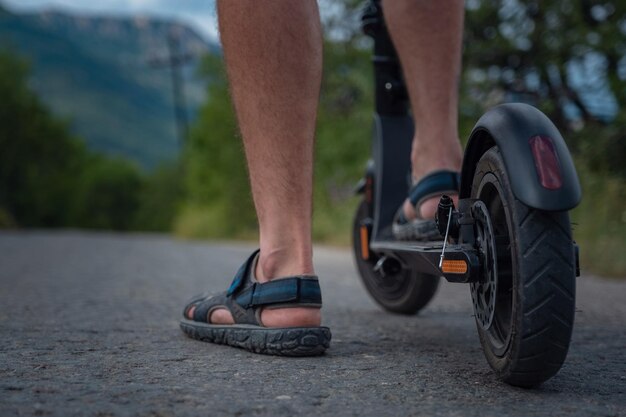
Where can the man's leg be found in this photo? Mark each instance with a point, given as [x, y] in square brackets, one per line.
[273, 54]
[428, 36]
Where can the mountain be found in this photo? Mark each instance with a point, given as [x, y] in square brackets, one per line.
[98, 73]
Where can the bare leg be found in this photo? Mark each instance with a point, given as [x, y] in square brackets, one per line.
[427, 35]
[273, 53]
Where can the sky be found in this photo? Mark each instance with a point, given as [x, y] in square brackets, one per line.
[199, 14]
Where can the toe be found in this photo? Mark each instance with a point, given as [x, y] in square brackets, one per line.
[428, 208]
[190, 312]
[409, 210]
[221, 316]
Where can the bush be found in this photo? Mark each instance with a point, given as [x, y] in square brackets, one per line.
[159, 199]
[106, 195]
[40, 160]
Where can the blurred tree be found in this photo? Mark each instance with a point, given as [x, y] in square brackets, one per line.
[216, 182]
[566, 57]
[344, 131]
[47, 177]
[219, 202]
[160, 198]
[39, 159]
[107, 194]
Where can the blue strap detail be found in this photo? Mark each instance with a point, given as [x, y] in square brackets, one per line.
[438, 181]
[310, 292]
[241, 275]
[294, 290]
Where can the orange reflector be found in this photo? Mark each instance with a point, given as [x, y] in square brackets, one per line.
[453, 266]
[365, 250]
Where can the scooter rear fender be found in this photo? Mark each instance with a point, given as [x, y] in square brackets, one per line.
[513, 128]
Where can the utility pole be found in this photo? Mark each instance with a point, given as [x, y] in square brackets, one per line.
[175, 60]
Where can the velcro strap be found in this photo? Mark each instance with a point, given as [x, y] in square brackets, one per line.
[242, 274]
[294, 290]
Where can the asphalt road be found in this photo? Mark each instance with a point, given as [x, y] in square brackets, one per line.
[89, 326]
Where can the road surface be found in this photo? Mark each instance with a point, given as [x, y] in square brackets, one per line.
[89, 326]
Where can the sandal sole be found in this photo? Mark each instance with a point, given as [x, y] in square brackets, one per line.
[290, 341]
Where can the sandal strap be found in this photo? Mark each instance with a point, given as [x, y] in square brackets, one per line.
[434, 183]
[242, 274]
[295, 291]
[245, 297]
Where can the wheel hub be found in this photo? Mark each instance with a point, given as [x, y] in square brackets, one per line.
[484, 292]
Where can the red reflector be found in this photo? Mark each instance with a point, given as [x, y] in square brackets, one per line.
[546, 162]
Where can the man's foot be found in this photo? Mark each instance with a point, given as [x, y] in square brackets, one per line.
[431, 187]
[265, 270]
[428, 208]
[432, 176]
[247, 316]
[425, 161]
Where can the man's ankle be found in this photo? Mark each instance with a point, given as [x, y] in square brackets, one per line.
[276, 263]
[423, 163]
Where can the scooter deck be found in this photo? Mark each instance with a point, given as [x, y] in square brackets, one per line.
[460, 262]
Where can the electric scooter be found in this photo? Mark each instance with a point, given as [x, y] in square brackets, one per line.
[509, 238]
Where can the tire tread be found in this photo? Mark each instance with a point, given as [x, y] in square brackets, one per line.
[545, 280]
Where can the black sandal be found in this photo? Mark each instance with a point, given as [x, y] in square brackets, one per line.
[434, 184]
[245, 299]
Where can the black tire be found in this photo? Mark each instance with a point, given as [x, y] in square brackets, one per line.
[405, 292]
[529, 337]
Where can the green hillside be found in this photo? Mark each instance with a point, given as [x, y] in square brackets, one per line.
[95, 72]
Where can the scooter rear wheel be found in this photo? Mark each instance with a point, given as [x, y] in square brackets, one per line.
[525, 301]
[404, 291]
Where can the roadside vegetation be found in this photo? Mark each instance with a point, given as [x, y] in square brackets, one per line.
[565, 57]
[48, 178]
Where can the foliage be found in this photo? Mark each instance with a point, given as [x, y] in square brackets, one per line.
[106, 195]
[565, 57]
[537, 52]
[159, 199]
[49, 179]
[599, 223]
[82, 65]
[39, 158]
[569, 59]
[219, 202]
[343, 137]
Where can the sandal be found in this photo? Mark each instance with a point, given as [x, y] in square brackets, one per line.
[245, 299]
[432, 185]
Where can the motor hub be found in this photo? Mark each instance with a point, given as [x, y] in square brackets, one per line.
[485, 290]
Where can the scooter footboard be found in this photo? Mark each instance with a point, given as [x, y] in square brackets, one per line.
[461, 263]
